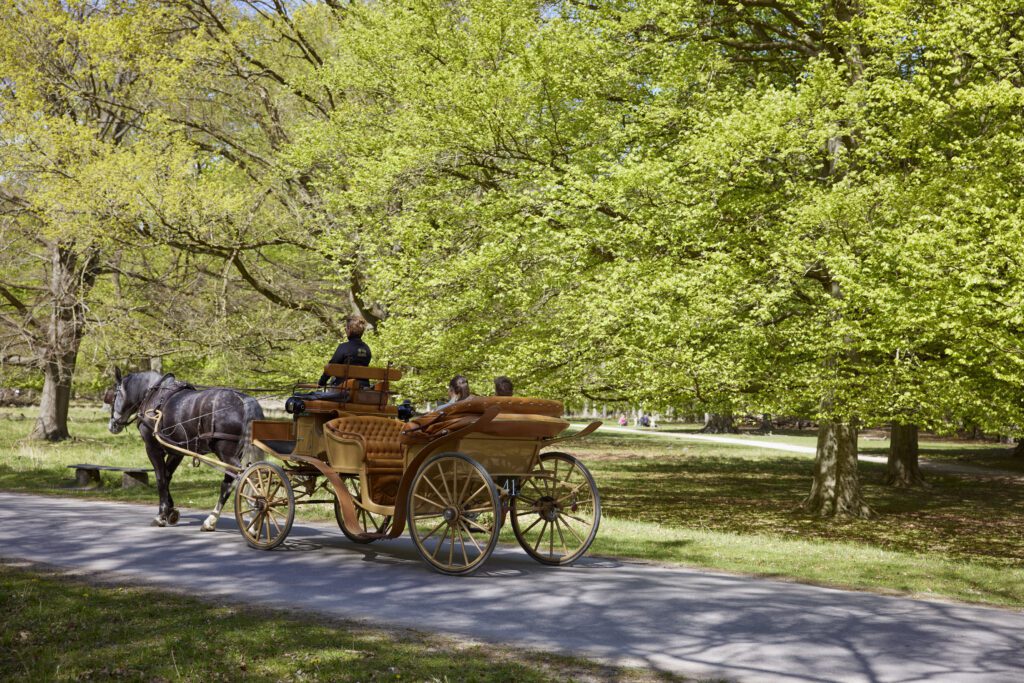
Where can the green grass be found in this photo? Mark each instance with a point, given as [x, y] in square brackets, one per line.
[695, 503]
[55, 628]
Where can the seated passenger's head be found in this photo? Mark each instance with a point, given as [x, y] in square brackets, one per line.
[355, 325]
[502, 386]
[458, 388]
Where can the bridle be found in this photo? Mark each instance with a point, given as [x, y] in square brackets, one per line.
[120, 422]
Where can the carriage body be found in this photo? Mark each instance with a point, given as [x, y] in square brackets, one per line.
[452, 477]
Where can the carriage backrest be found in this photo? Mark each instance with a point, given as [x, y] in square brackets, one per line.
[380, 435]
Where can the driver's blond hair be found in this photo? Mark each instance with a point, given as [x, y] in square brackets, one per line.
[355, 325]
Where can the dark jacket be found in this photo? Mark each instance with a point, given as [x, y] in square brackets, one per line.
[353, 352]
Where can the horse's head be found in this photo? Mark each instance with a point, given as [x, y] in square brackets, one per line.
[121, 405]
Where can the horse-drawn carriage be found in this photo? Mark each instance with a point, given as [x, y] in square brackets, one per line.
[453, 476]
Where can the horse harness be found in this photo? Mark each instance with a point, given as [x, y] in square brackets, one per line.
[158, 395]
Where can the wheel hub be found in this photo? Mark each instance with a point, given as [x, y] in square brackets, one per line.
[450, 514]
[547, 508]
[261, 504]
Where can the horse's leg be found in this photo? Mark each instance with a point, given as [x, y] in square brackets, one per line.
[157, 458]
[173, 460]
[210, 524]
[228, 453]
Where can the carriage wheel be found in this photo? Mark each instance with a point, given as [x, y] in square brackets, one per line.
[368, 521]
[454, 513]
[557, 511]
[264, 505]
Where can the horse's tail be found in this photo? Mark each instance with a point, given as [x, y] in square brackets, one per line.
[251, 410]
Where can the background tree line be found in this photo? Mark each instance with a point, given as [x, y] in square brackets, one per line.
[805, 207]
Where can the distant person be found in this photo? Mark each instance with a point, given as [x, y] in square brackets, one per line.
[353, 352]
[645, 420]
[623, 421]
[502, 386]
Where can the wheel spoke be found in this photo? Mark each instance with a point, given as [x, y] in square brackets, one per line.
[535, 522]
[431, 485]
[561, 536]
[433, 531]
[468, 533]
[451, 546]
[541, 536]
[568, 527]
[440, 542]
[482, 527]
[259, 529]
[465, 486]
[444, 480]
[573, 517]
[462, 543]
[483, 487]
[574, 489]
[428, 500]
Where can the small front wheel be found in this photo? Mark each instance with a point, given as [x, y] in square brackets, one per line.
[370, 522]
[557, 512]
[264, 505]
[454, 513]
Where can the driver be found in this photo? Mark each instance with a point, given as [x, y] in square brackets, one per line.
[354, 351]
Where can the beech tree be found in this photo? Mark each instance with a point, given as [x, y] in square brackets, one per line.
[775, 205]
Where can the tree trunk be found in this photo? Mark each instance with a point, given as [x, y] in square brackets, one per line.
[835, 491]
[766, 425]
[719, 423]
[70, 279]
[1018, 450]
[904, 470]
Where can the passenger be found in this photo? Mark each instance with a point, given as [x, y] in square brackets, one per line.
[353, 352]
[458, 390]
[405, 410]
[502, 386]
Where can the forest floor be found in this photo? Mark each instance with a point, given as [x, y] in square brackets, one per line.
[721, 506]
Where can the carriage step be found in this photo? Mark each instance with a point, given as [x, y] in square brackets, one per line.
[88, 476]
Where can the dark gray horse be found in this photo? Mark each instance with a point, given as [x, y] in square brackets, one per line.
[201, 421]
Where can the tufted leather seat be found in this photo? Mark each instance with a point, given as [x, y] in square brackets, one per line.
[383, 453]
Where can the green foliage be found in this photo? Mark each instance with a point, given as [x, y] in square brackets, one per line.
[805, 207]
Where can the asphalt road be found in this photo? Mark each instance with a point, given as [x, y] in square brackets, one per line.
[687, 621]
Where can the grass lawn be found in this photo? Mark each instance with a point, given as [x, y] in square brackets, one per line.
[695, 503]
[55, 628]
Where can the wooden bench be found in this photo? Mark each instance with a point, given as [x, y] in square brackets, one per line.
[88, 476]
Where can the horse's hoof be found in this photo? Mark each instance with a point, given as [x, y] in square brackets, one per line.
[209, 524]
[173, 516]
[158, 521]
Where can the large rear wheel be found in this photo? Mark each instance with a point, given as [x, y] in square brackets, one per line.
[557, 510]
[369, 522]
[264, 505]
[454, 513]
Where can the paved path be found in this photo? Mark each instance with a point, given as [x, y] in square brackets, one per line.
[942, 467]
[687, 621]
